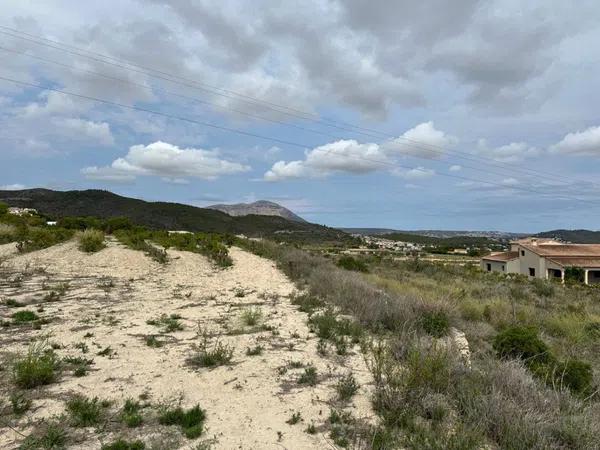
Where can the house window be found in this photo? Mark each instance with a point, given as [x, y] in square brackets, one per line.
[502, 268]
[531, 272]
[489, 267]
[522, 252]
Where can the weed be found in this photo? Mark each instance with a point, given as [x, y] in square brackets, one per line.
[84, 412]
[122, 444]
[217, 355]
[309, 376]
[251, 316]
[311, 429]
[38, 367]
[82, 346]
[91, 241]
[130, 415]
[351, 263]
[296, 418]
[20, 403]
[24, 316]
[346, 387]
[12, 303]
[254, 351]
[50, 435]
[435, 323]
[107, 351]
[168, 323]
[153, 341]
[322, 347]
[191, 421]
[307, 303]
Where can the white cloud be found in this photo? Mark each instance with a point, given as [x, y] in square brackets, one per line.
[416, 173]
[347, 156]
[455, 168]
[423, 141]
[98, 132]
[509, 153]
[586, 142]
[167, 161]
[12, 187]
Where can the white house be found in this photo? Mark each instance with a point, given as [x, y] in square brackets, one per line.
[546, 258]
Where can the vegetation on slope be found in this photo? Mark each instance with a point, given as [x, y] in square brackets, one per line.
[426, 393]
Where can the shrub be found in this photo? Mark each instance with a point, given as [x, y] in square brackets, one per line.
[351, 263]
[254, 351]
[543, 288]
[24, 316]
[251, 316]
[8, 233]
[130, 414]
[309, 376]
[435, 323]
[32, 238]
[191, 421]
[91, 241]
[47, 436]
[346, 387]
[522, 343]
[307, 303]
[84, 412]
[575, 375]
[122, 444]
[37, 368]
[218, 355]
[20, 403]
[169, 324]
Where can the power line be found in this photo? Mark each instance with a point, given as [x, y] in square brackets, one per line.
[195, 99]
[291, 112]
[295, 144]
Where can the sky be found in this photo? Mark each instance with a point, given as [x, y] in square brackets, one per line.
[469, 115]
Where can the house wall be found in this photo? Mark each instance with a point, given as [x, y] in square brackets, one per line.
[530, 259]
[496, 266]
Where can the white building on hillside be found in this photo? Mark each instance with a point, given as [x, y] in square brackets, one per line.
[546, 258]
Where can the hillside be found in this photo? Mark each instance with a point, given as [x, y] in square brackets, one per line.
[574, 236]
[436, 233]
[261, 208]
[164, 215]
[450, 242]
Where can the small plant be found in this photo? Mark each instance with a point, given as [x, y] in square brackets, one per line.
[169, 323]
[122, 444]
[217, 355]
[351, 263]
[38, 367]
[255, 351]
[82, 346]
[346, 387]
[130, 415]
[12, 303]
[311, 429]
[296, 418]
[49, 436]
[24, 316]
[309, 376]
[191, 421]
[91, 241]
[240, 293]
[84, 412]
[107, 351]
[20, 403]
[251, 316]
[307, 303]
[153, 341]
[341, 346]
[322, 347]
[435, 323]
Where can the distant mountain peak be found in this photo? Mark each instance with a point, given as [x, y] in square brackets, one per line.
[260, 207]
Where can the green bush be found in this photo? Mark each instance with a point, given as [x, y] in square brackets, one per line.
[521, 342]
[191, 421]
[130, 415]
[84, 412]
[3, 208]
[91, 241]
[122, 444]
[37, 238]
[47, 436]
[435, 323]
[8, 233]
[24, 316]
[217, 355]
[351, 263]
[38, 367]
[575, 375]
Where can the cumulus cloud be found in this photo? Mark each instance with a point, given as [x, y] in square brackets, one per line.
[423, 141]
[350, 156]
[586, 142]
[171, 163]
[99, 132]
[509, 153]
[416, 173]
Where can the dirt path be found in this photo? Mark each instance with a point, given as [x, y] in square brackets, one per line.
[104, 300]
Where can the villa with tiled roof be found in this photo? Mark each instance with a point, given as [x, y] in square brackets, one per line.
[546, 258]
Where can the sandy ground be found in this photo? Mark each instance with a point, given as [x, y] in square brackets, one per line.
[108, 297]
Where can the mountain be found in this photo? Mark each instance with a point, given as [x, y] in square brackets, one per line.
[170, 216]
[573, 236]
[261, 208]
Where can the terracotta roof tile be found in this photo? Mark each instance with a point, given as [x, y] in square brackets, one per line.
[503, 256]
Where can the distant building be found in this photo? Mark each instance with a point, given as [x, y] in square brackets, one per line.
[546, 258]
[21, 211]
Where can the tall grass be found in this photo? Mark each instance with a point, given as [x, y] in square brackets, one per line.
[91, 241]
